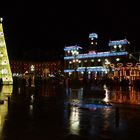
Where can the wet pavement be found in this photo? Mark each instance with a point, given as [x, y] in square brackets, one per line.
[38, 114]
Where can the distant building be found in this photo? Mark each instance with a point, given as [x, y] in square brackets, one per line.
[117, 62]
[44, 69]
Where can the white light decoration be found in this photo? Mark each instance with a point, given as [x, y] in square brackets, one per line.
[99, 60]
[92, 69]
[70, 62]
[1, 33]
[107, 62]
[70, 73]
[6, 78]
[92, 43]
[4, 62]
[117, 59]
[69, 70]
[32, 68]
[4, 71]
[1, 19]
[120, 46]
[115, 46]
[82, 72]
[77, 53]
[1, 54]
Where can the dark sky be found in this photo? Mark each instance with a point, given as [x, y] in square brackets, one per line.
[42, 26]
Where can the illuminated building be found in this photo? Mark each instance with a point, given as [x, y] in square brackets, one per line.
[19, 68]
[5, 70]
[115, 62]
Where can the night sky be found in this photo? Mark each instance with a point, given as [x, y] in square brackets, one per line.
[39, 26]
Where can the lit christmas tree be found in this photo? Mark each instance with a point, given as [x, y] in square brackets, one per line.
[5, 70]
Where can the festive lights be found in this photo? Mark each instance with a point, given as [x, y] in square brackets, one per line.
[88, 69]
[90, 55]
[5, 70]
[118, 42]
[69, 48]
[93, 35]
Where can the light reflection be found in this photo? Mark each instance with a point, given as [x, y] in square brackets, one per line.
[3, 113]
[4, 94]
[6, 90]
[106, 99]
[130, 96]
[74, 121]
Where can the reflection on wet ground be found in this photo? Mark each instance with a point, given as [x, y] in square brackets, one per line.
[31, 113]
[127, 96]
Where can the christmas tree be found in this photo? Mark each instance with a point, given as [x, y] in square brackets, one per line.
[5, 70]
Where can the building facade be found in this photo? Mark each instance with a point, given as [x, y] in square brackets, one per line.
[117, 62]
